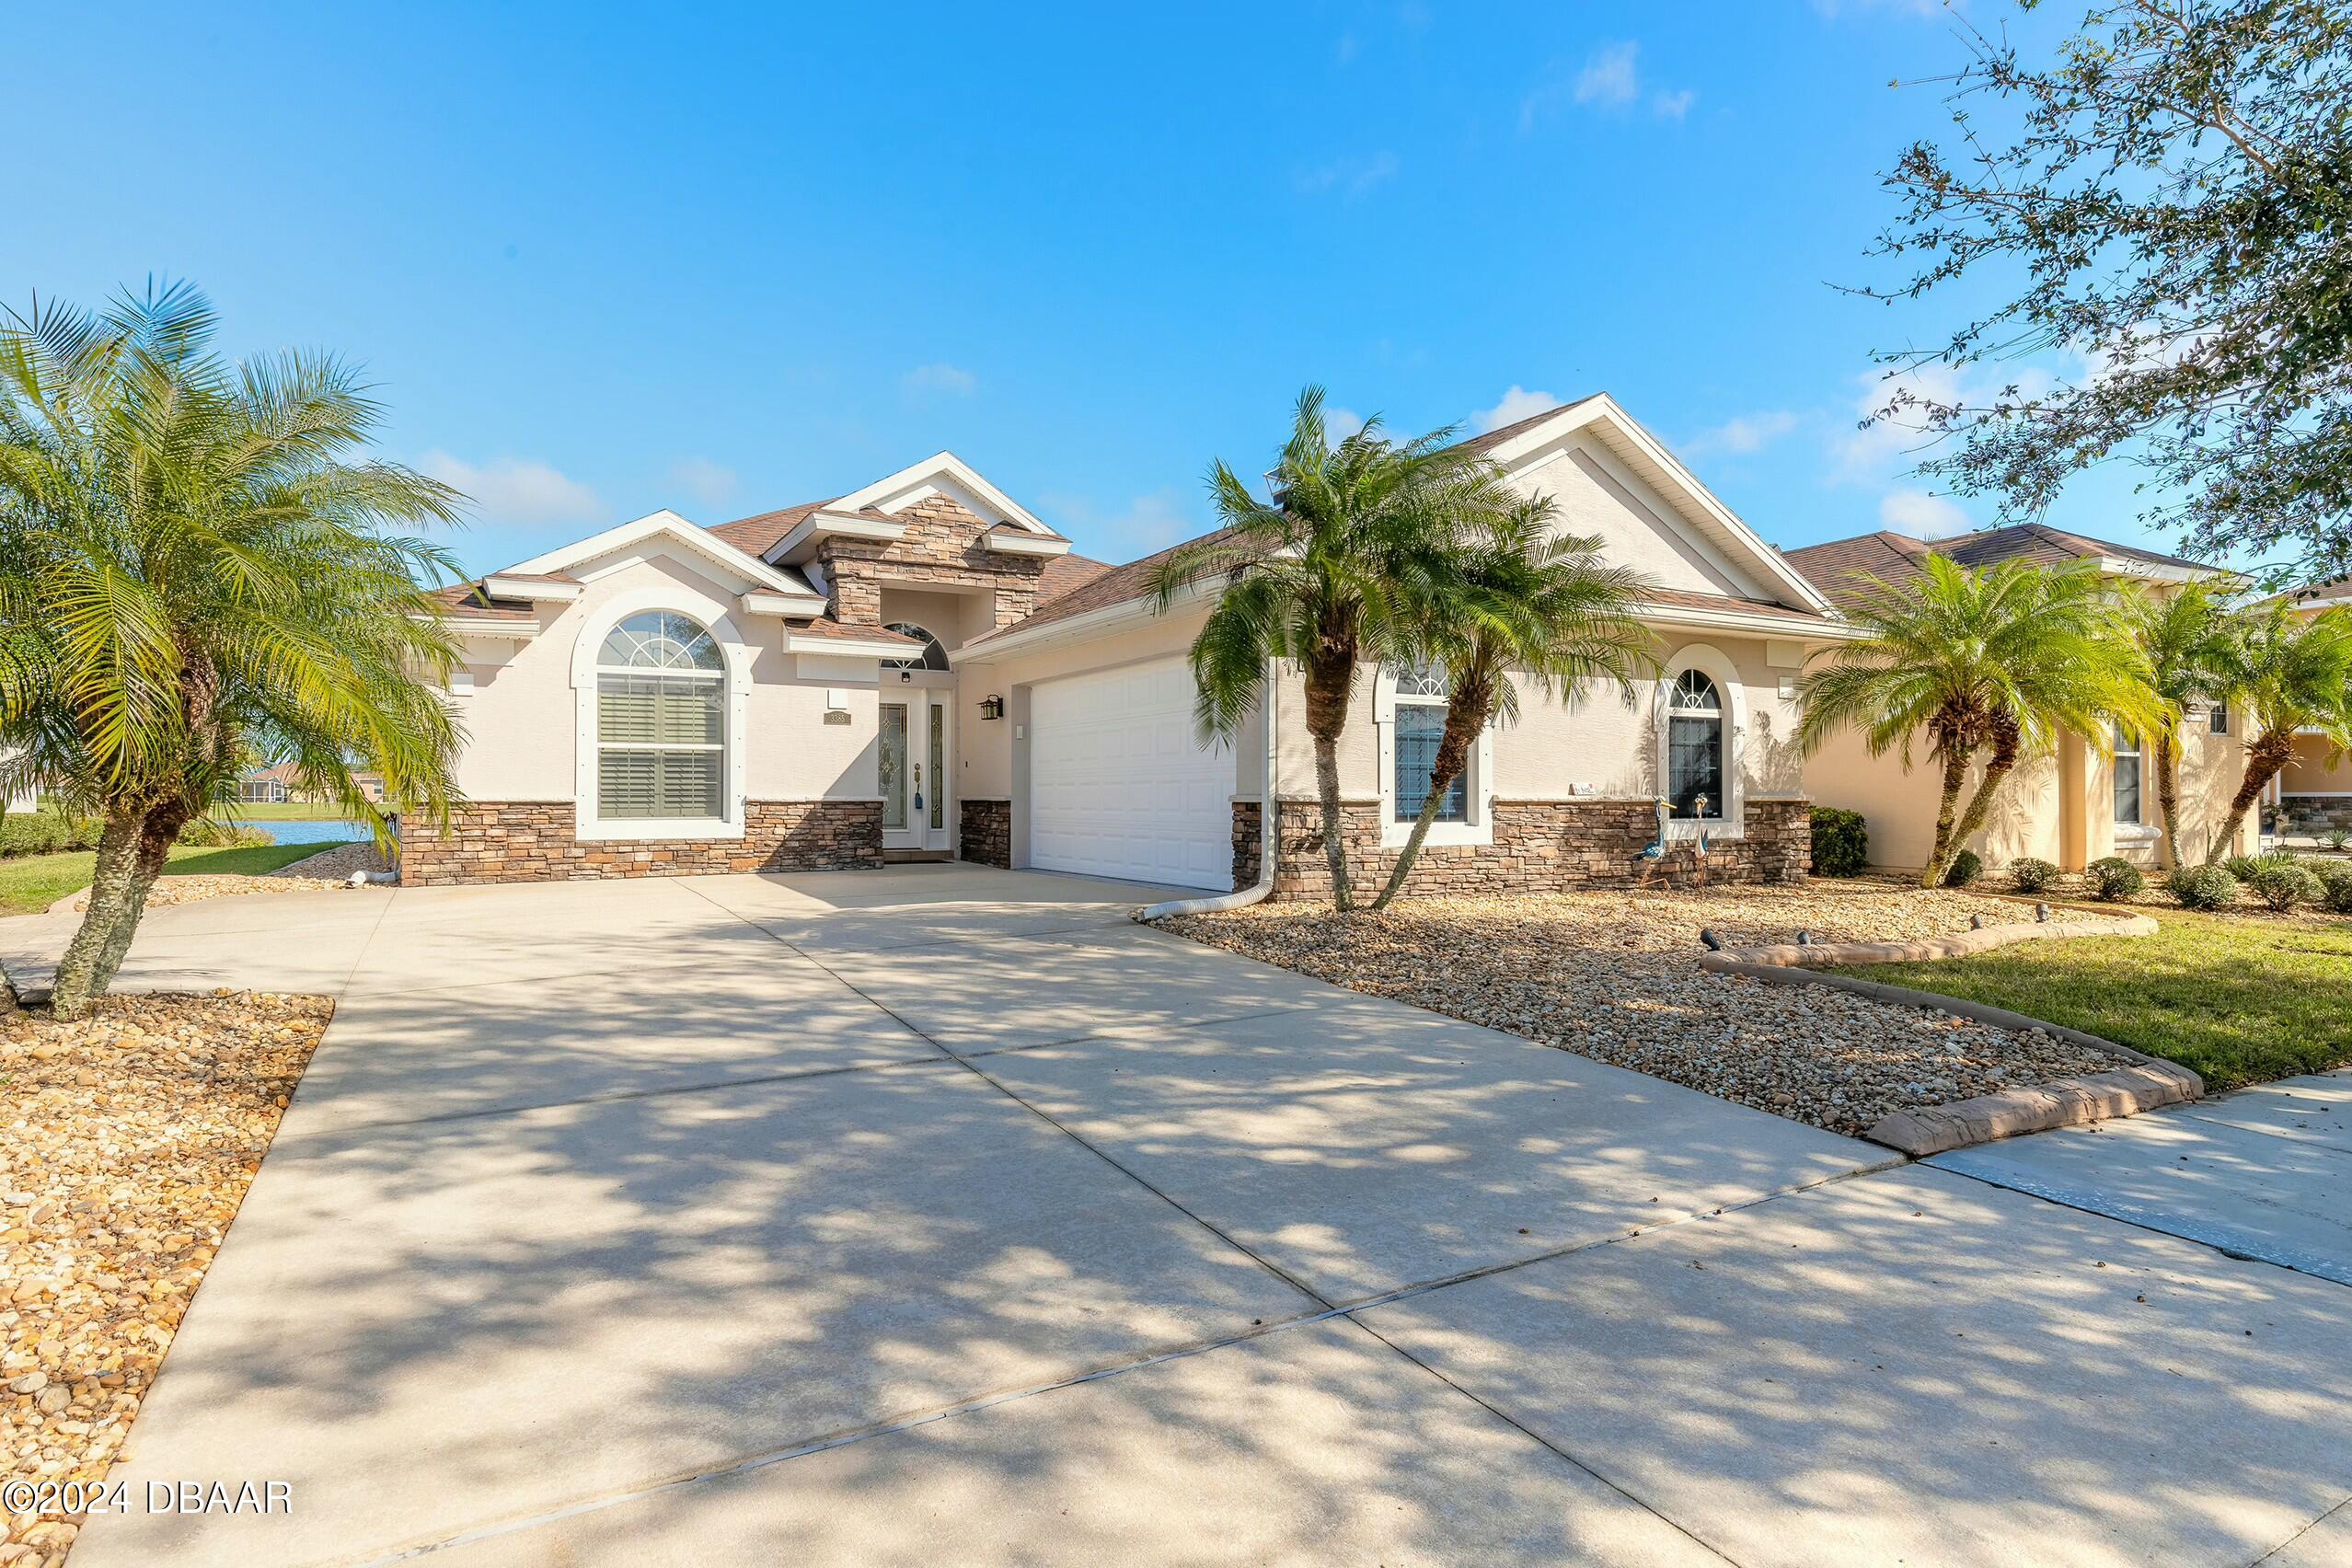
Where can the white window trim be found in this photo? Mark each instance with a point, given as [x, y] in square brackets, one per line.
[2139, 754]
[1478, 789]
[1730, 821]
[600, 620]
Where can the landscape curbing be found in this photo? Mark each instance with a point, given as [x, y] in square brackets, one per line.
[1959, 944]
[2143, 1083]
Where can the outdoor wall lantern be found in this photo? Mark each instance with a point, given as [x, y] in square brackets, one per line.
[992, 706]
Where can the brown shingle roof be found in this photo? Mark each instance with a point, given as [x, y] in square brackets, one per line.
[1067, 573]
[1502, 434]
[1112, 585]
[537, 576]
[1836, 566]
[1683, 598]
[468, 599]
[826, 627]
[756, 534]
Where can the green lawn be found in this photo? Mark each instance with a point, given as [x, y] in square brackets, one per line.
[2236, 999]
[31, 884]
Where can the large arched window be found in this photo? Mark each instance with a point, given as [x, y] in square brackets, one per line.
[1694, 752]
[661, 721]
[934, 654]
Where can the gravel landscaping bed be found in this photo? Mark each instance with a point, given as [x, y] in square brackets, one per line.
[1615, 977]
[129, 1141]
[331, 867]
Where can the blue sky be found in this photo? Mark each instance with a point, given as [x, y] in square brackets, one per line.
[601, 259]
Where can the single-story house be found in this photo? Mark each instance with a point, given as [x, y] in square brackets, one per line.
[2069, 808]
[921, 668]
[267, 786]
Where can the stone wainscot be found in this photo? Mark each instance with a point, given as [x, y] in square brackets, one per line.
[505, 841]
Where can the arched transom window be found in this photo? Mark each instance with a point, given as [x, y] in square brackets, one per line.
[661, 721]
[1694, 756]
[934, 654]
[1420, 722]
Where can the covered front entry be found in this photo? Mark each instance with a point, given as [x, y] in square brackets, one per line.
[1121, 784]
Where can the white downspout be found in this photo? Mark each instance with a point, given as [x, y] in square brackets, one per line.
[1239, 897]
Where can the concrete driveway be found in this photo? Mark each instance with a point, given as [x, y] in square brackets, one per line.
[942, 1214]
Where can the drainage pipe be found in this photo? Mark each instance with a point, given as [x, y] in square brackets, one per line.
[1244, 896]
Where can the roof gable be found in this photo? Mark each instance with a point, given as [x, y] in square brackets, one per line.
[666, 527]
[943, 473]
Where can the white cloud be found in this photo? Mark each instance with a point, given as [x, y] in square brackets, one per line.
[1149, 522]
[514, 490]
[940, 378]
[1609, 79]
[707, 482]
[1517, 404]
[1350, 177]
[1340, 424]
[1610, 76]
[1745, 433]
[1923, 515]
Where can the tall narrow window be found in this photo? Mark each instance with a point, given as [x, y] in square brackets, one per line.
[1695, 747]
[2127, 776]
[1420, 725]
[661, 721]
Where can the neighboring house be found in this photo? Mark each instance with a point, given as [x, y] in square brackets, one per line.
[2314, 791]
[267, 786]
[921, 667]
[2069, 808]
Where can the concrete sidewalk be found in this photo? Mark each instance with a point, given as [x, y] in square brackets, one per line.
[943, 1214]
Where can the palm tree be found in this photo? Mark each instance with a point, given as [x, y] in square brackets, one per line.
[1520, 601]
[2184, 637]
[2290, 674]
[1994, 661]
[195, 576]
[1319, 572]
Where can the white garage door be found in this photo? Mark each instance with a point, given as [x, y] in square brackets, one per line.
[1119, 786]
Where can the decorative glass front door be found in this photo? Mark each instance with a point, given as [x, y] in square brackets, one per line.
[893, 767]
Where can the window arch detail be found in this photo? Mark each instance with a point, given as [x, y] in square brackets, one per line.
[661, 722]
[932, 657]
[1701, 731]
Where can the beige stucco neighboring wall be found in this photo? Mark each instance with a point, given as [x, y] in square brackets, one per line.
[2058, 807]
[2315, 768]
[521, 719]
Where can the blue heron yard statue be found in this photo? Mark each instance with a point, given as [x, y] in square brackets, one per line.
[1653, 852]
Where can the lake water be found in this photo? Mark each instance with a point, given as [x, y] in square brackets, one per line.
[327, 830]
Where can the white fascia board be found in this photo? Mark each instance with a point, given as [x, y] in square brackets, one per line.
[463, 626]
[2161, 571]
[760, 602]
[1120, 617]
[498, 585]
[1602, 407]
[1027, 545]
[1683, 616]
[664, 524]
[846, 648]
[819, 526]
[952, 467]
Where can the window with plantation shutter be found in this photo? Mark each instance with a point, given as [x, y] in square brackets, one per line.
[661, 721]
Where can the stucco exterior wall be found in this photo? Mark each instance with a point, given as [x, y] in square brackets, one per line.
[2315, 769]
[1595, 497]
[521, 718]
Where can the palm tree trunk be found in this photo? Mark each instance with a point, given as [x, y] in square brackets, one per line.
[2168, 765]
[1464, 720]
[1329, 683]
[2265, 759]
[2006, 744]
[1956, 768]
[78, 986]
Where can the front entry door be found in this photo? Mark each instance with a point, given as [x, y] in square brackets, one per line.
[914, 771]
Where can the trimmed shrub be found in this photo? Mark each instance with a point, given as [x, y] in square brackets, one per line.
[2335, 887]
[209, 834]
[46, 833]
[2116, 878]
[2031, 875]
[2203, 887]
[1840, 842]
[2282, 884]
[1967, 867]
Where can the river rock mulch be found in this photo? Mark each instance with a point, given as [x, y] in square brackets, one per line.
[330, 868]
[1614, 976]
[127, 1142]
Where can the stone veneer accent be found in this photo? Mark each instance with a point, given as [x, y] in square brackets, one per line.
[985, 834]
[2315, 814]
[1539, 847]
[943, 544]
[1249, 843]
[502, 841]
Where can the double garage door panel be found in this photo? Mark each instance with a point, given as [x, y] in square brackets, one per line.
[1120, 786]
